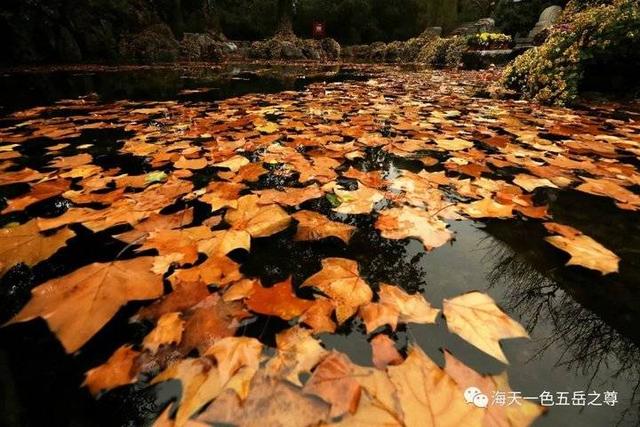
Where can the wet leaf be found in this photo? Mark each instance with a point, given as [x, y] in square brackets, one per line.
[340, 280]
[314, 226]
[476, 318]
[117, 371]
[78, 305]
[24, 243]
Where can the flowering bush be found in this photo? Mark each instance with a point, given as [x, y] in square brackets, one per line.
[587, 42]
[489, 41]
[443, 52]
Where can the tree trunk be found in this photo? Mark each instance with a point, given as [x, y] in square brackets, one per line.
[285, 19]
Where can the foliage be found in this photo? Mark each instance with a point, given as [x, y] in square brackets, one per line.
[443, 52]
[489, 40]
[590, 41]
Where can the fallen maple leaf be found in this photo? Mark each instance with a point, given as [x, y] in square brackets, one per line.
[168, 331]
[117, 371]
[340, 280]
[333, 383]
[279, 300]
[258, 221]
[298, 352]
[314, 226]
[384, 352]
[79, 304]
[271, 402]
[520, 415]
[476, 318]
[401, 223]
[24, 243]
[428, 396]
[360, 201]
[584, 251]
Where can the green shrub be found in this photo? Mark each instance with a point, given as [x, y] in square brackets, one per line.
[488, 40]
[443, 52]
[586, 43]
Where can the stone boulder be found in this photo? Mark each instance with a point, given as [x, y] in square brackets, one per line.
[202, 47]
[331, 48]
[547, 19]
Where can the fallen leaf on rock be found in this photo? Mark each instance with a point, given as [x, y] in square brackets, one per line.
[340, 280]
[78, 305]
[117, 371]
[24, 243]
[332, 382]
[476, 318]
[314, 226]
[401, 223]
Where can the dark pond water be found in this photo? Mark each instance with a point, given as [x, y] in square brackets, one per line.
[584, 328]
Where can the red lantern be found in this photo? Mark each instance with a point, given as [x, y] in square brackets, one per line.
[318, 30]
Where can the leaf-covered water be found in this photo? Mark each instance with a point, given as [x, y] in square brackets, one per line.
[583, 324]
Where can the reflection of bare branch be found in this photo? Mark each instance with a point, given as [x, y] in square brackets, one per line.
[589, 344]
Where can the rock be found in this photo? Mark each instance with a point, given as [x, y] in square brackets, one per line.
[290, 50]
[331, 48]
[431, 32]
[547, 19]
[378, 52]
[154, 44]
[201, 47]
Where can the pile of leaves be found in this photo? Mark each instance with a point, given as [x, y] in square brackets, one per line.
[188, 186]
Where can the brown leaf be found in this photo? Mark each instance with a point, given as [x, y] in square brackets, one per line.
[476, 318]
[168, 331]
[298, 352]
[586, 252]
[332, 381]
[520, 415]
[428, 396]
[209, 321]
[24, 243]
[314, 226]
[117, 371]
[258, 221]
[385, 352]
[79, 304]
[340, 280]
[279, 300]
[271, 402]
[401, 223]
